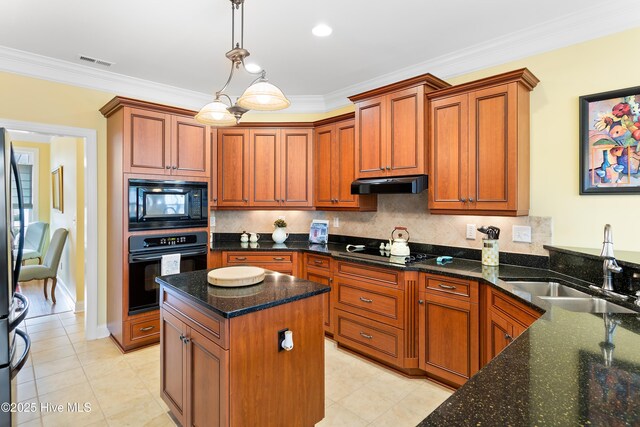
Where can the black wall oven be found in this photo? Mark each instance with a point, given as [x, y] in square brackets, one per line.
[155, 205]
[145, 258]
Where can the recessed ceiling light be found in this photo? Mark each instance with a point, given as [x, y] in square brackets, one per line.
[252, 67]
[322, 30]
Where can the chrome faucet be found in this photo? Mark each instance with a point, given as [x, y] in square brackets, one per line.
[609, 265]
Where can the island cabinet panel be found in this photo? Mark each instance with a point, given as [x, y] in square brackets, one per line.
[281, 261]
[479, 146]
[233, 167]
[173, 362]
[449, 335]
[506, 319]
[335, 169]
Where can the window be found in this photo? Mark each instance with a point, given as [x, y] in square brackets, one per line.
[26, 161]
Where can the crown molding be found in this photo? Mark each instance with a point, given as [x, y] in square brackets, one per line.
[550, 35]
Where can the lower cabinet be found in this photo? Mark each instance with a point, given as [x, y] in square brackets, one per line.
[195, 380]
[449, 334]
[280, 261]
[506, 319]
[317, 268]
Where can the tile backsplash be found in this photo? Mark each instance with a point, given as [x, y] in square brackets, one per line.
[409, 210]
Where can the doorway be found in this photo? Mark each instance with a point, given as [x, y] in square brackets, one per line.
[90, 206]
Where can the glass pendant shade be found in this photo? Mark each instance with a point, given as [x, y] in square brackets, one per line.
[263, 96]
[216, 114]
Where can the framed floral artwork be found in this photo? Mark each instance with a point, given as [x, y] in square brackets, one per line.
[609, 136]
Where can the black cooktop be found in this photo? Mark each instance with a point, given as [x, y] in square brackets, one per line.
[375, 254]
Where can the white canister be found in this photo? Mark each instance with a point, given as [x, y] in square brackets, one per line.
[490, 252]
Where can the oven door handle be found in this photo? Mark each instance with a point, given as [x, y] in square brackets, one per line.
[157, 257]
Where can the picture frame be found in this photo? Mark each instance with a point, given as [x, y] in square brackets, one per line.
[57, 192]
[319, 232]
[609, 142]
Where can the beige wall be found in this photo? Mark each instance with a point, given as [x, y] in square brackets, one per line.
[69, 153]
[44, 176]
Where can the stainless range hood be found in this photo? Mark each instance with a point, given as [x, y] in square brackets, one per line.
[395, 185]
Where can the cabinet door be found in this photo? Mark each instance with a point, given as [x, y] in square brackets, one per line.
[207, 382]
[324, 172]
[371, 155]
[264, 175]
[405, 132]
[448, 179]
[173, 362]
[295, 168]
[499, 334]
[147, 137]
[449, 338]
[493, 147]
[345, 163]
[213, 180]
[323, 277]
[190, 148]
[233, 167]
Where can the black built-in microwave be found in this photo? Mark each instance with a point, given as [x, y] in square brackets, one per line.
[155, 205]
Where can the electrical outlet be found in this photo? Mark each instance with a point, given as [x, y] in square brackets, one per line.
[281, 338]
[471, 232]
[336, 222]
[521, 233]
[212, 221]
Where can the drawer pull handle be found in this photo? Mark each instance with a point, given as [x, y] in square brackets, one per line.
[148, 328]
[318, 261]
[241, 258]
[367, 300]
[446, 286]
[367, 336]
[278, 258]
[508, 337]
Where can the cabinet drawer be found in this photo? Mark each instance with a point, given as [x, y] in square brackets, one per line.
[378, 275]
[376, 339]
[257, 258]
[318, 261]
[145, 328]
[450, 286]
[512, 308]
[374, 302]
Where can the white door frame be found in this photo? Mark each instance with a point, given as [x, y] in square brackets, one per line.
[92, 329]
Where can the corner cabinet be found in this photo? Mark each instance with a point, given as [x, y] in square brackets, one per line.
[390, 128]
[479, 146]
[334, 168]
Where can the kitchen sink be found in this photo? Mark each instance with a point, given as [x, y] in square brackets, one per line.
[547, 289]
[586, 305]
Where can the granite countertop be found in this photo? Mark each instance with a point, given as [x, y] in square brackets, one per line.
[628, 258]
[568, 368]
[276, 289]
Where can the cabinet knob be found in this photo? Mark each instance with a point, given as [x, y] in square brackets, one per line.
[167, 167]
[330, 279]
[181, 337]
[420, 301]
[470, 200]
[381, 168]
[245, 200]
[508, 337]
[463, 200]
[388, 168]
[215, 199]
[174, 167]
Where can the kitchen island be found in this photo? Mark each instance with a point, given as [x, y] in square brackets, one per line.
[222, 360]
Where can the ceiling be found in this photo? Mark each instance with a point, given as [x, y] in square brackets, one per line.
[173, 51]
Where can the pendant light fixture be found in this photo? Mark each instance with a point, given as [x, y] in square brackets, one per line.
[260, 95]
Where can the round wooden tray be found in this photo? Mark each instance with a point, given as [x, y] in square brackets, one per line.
[232, 277]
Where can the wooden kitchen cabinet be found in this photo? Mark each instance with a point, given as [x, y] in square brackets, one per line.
[449, 322]
[281, 261]
[506, 319]
[334, 168]
[233, 167]
[213, 176]
[479, 146]
[390, 128]
[296, 168]
[317, 268]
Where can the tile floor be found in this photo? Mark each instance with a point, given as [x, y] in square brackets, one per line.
[123, 390]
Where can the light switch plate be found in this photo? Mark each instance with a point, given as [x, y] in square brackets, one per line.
[336, 222]
[471, 232]
[521, 233]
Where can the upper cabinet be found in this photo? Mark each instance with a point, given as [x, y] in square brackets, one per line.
[479, 146]
[334, 168]
[213, 180]
[159, 140]
[390, 131]
[265, 168]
